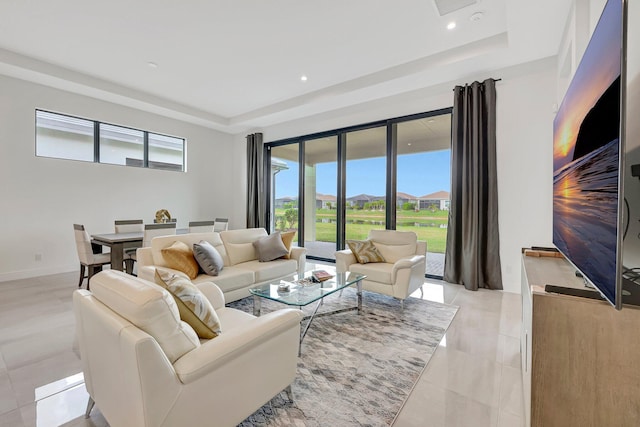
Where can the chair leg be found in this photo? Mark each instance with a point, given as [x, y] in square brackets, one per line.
[81, 275]
[421, 292]
[90, 404]
[289, 393]
[128, 265]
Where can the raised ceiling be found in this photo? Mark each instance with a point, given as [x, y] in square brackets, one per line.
[236, 65]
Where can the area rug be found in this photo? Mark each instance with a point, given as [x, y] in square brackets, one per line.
[356, 370]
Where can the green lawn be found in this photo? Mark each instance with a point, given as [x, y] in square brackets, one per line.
[435, 236]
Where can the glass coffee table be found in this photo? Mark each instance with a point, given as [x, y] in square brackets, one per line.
[303, 292]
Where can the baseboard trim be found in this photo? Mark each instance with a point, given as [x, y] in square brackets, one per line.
[28, 274]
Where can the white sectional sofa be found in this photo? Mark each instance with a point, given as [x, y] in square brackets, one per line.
[241, 269]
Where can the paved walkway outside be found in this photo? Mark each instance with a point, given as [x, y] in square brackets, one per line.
[435, 261]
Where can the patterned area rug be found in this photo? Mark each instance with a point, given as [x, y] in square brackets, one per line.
[356, 370]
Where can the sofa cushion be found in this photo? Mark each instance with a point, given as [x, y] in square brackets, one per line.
[147, 306]
[194, 307]
[264, 271]
[230, 279]
[393, 245]
[365, 251]
[376, 272]
[231, 318]
[287, 239]
[179, 256]
[239, 244]
[270, 247]
[159, 243]
[208, 258]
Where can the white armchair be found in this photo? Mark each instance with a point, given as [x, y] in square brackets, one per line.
[144, 367]
[404, 269]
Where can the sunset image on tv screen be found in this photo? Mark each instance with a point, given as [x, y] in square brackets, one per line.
[586, 149]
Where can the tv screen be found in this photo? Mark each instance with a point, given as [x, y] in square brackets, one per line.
[587, 149]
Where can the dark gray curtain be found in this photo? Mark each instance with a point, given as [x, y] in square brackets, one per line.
[256, 183]
[472, 257]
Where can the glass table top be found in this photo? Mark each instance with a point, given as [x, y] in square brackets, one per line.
[306, 292]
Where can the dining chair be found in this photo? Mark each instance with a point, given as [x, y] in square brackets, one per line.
[129, 226]
[155, 230]
[201, 226]
[155, 221]
[221, 224]
[88, 260]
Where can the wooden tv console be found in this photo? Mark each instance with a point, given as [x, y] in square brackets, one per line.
[580, 356]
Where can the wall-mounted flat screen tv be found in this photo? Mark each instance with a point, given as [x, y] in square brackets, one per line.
[588, 134]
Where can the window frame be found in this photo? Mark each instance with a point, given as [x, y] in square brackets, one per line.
[341, 134]
[97, 140]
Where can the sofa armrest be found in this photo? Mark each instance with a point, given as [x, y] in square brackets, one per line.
[215, 353]
[344, 259]
[406, 263]
[149, 272]
[213, 293]
[407, 275]
[421, 247]
[144, 257]
[300, 255]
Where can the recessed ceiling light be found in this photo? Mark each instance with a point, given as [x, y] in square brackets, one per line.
[303, 78]
[152, 64]
[408, 143]
[451, 25]
[476, 17]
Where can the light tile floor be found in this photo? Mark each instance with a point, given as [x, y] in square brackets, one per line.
[473, 379]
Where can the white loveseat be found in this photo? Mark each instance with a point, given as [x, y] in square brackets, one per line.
[241, 271]
[144, 367]
[404, 269]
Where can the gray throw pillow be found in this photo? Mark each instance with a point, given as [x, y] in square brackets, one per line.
[208, 258]
[270, 247]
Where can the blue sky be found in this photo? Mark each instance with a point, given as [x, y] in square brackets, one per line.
[418, 174]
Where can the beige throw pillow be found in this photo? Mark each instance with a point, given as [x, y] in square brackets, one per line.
[287, 240]
[365, 251]
[194, 307]
[179, 256]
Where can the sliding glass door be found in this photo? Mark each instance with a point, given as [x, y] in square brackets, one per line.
[423, 184]
[366, 177]
[320, 196]
[284, 178]
[339, 185]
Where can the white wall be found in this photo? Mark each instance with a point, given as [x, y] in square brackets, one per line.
[41, 198]
[238, 218]
[524, 150]
[525, 167]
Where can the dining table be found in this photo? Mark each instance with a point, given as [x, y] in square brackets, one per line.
[118, 242]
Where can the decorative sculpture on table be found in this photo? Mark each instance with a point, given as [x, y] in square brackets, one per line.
[163, 215]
